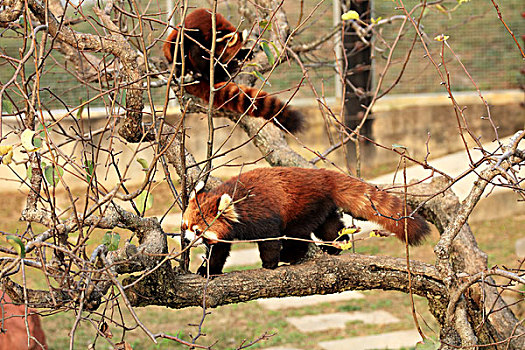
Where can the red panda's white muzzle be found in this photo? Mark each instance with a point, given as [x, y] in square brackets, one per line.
[209, 237]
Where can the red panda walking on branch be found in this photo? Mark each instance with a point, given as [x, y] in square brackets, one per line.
[292, 202]
[229, 52]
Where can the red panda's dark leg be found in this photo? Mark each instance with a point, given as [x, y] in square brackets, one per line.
[270, 252]
[293, 251]
[216, 258]
[329, 231]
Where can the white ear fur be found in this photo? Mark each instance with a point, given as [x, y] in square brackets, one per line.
[226, 37]
[234, 40]
[244, 35]
[227, 208]
[198, 187]
[225, 202]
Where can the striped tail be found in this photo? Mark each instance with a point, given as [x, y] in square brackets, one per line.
[362, 200]
[240, 98]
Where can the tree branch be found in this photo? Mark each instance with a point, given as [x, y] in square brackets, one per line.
[324, 274]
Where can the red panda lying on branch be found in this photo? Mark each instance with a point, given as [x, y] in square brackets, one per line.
[229, 52]
[293, 202]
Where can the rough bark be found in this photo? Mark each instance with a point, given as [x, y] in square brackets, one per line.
[324, 274]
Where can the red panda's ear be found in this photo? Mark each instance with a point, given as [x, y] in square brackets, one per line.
[226, 208]
[198, 187]
[231, 39]
[245, 35]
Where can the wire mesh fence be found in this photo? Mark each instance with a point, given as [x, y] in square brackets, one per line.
[476, 35]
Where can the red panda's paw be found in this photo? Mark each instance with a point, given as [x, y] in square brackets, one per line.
[330, 249]
[270, 265]
[270, 253]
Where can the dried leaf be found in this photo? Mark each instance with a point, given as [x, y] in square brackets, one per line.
[104, 329]
[123, 346]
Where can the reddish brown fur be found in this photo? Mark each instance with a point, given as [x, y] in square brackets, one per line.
[293, 202]
[241, 98]
[229, 96]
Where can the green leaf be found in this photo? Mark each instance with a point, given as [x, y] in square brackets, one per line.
[144, 201]
[106, 239]
[264, 23]
[40, 136]
[17, 243]
[394, 146]
[115, 240]
[111, 240]
[89, 166]
[144, 163]
[261, 77]
[81, 109]
[275, 48]
[350, 15]
[52, 174]
[268, 52]
[7, 106]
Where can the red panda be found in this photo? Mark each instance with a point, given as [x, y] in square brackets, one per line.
[293, 202]
[229, 52]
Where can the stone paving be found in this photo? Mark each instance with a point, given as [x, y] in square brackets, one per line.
[392, 340]
[298, 302]
[502, 201]
[318, 323]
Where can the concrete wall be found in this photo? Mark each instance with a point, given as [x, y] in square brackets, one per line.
[408, 120]
[403, 120]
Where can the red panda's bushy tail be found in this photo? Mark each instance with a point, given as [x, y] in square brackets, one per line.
[239, 98]
[362, 200]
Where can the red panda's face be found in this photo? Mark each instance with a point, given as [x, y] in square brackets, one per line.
[228, 41]
[208, 217]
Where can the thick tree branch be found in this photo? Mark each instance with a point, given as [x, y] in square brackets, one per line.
[324, 274]
[13, 10]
